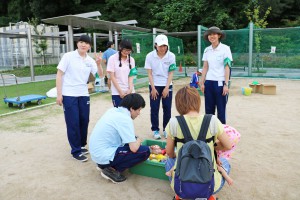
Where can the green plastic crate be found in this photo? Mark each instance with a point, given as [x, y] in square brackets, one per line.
[148, 168]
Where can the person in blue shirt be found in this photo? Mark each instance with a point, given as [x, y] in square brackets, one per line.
[113, 144]
[195, 79]
[109, 52]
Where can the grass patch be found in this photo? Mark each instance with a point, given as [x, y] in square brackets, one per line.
[25, 89]
[38, 70]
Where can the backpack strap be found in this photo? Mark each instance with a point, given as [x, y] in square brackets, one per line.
[204, 128]
[184, 128]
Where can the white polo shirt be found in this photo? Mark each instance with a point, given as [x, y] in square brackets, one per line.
[121, 73]
[76, 73]
[159, 66]
[215, 58]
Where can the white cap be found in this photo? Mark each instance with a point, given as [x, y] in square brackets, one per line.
[161, 40]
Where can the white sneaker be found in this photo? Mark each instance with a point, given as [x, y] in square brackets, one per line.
[165, 135]
[156, 135]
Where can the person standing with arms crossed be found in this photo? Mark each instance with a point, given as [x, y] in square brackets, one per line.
[217, 59]
[72, 76]
[109, 52]
[160, 64]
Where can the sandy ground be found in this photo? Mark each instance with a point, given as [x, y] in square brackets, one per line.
[36, 162]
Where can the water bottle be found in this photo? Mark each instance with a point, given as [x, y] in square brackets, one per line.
[97, 83]
[102, 84]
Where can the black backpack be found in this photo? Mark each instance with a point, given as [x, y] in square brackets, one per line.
[194, 174]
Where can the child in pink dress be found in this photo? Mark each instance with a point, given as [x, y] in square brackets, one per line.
[234, 137]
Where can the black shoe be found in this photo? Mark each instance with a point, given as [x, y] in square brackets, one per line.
[81, 158]
[84, 151]
[112, 175]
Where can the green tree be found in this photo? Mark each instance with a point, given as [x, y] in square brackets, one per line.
[255, 14]
[40, 43]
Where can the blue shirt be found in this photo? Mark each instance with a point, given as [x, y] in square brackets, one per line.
[109, 52]
[194, 80]
[114, 129]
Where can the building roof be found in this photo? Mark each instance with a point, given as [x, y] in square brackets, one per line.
[83, 22]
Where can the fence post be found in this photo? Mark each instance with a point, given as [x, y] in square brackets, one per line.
[250, 49]
[30, 53]
[199, 46]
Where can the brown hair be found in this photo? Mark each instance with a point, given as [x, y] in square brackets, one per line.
[187, 99]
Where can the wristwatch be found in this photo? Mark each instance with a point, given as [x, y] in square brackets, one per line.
[225, 84]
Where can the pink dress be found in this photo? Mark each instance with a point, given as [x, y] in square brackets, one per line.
[234, 137]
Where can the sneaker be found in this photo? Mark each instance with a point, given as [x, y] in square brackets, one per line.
[84, 151]
[165, 134]
[81, 158]
[112, 175]
[156, 135]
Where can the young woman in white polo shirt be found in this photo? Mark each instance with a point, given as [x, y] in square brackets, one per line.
[73, 73]
[217, 59]
[160, 64]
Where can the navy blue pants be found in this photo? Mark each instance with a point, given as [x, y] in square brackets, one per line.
[116, 100]
[125, 159]
[77, 112]
[155, 104]
[214, 99]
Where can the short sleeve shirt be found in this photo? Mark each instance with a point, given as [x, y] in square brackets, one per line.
[76, 73]
[114, 129]
[216, 128]
[121, 73]
[194, 81]
[109, 52]
[215, 58]
[159, 66]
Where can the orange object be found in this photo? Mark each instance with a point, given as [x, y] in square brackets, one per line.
[180, 67]
[211, 198]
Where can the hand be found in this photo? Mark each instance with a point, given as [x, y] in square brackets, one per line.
[165, 92]
[154, 94]
[59, 100]
[225, 90]
[202, 88]
[98, 57]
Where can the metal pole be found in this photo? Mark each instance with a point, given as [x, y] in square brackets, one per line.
[116, 41]
[250, 49]
[199, 46]
[154, 32]
[71, 40]
[95, 37]
[30, 54]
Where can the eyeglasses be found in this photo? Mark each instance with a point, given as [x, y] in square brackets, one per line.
[127, 50]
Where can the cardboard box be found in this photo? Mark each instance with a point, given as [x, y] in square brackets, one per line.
[269, 89]
[256, 88]
[149, 168]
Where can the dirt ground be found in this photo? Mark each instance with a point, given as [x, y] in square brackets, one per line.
[36, 162]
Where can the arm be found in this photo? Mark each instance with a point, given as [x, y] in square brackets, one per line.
[98, 58]
[223, 142]
[165, 92]
[154, 92]
[204, 72]
[59, 97]
[114, 81]
[134, 146]
[225, 87]
[170, 147]
[130, 82]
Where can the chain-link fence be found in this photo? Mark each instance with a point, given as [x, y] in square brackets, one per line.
[143, 44]
[275, 51]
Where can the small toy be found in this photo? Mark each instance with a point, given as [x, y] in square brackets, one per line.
[158, 157]
[155, 149]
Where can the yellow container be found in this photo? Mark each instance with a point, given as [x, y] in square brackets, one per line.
[246, 91]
